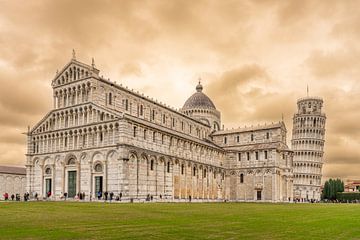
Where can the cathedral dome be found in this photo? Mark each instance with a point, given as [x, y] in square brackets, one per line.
[199, 100]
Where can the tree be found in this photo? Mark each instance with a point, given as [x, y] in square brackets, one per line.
[331, 189]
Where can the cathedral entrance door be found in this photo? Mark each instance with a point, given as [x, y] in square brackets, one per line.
[258, 195]
[71, 184]
[98, 184]
[47, 185]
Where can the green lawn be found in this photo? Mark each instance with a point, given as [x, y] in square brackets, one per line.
[71, 220]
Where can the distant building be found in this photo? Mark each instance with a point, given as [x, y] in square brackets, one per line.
[12, 180]
[352, 185]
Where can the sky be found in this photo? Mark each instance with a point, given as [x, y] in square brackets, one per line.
[255, 59]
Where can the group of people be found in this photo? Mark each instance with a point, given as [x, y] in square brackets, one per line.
[16, 197]
[108, 196]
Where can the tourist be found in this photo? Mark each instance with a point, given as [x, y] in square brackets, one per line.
[99, 195]
[111, 196]
[65, 196]
[106, 195]
[36, 197]
[6, 196]
[25, 197]
[12, 197]
[83, 196]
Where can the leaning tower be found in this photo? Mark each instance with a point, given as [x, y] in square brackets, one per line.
[308, 146]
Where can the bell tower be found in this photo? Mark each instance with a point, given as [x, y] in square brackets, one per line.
[308, 138]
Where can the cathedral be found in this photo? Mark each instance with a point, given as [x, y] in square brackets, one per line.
[103, 137]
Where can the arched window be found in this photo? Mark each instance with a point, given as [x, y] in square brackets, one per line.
[154, 136]
[225, 140]
[126, 105]
[134, 132]
[204, 173]
[194, 171]
[110, 98]
[252, 137]
[182, 169]
[242, 178]
[238, 138]
[98, 167]
[152, 165]
[141, 110]
[168, 167]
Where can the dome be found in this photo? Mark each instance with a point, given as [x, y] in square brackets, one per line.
[199, 100]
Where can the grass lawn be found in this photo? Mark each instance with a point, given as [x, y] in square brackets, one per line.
[71, 220]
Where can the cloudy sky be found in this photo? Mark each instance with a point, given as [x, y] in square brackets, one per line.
[255, 58]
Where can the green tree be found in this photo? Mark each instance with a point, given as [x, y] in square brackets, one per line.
[331, 188]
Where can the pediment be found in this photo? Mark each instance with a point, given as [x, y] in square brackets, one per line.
[47, 123]
[74, 71]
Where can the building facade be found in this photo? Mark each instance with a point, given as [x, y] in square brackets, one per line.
[103, 137]
[12, 181]
[308, 139]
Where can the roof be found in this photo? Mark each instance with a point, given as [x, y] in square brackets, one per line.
[198, 100]
[250, 129]
[253, 147]
[13, 170]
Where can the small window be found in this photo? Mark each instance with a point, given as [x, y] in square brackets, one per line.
[141, 110]
[182, 126]
[252, 137]
[267, 135]
[182, 169]
[164, 119]
[248, 155]
[153, 115]
[204, 173]
[242, 178]
[98, 167]
[173, 122]
[225, 140]
[101, 137]
[194, 171]
[238, 139]
[257, 155]
[110, 98]
[168, 167]
[154, 136]
[134, 132]
[239, 156]
[152, 165]
[145, 134]
[126, 105]
[266, 154]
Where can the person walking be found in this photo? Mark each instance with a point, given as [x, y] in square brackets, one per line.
[12, 197]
